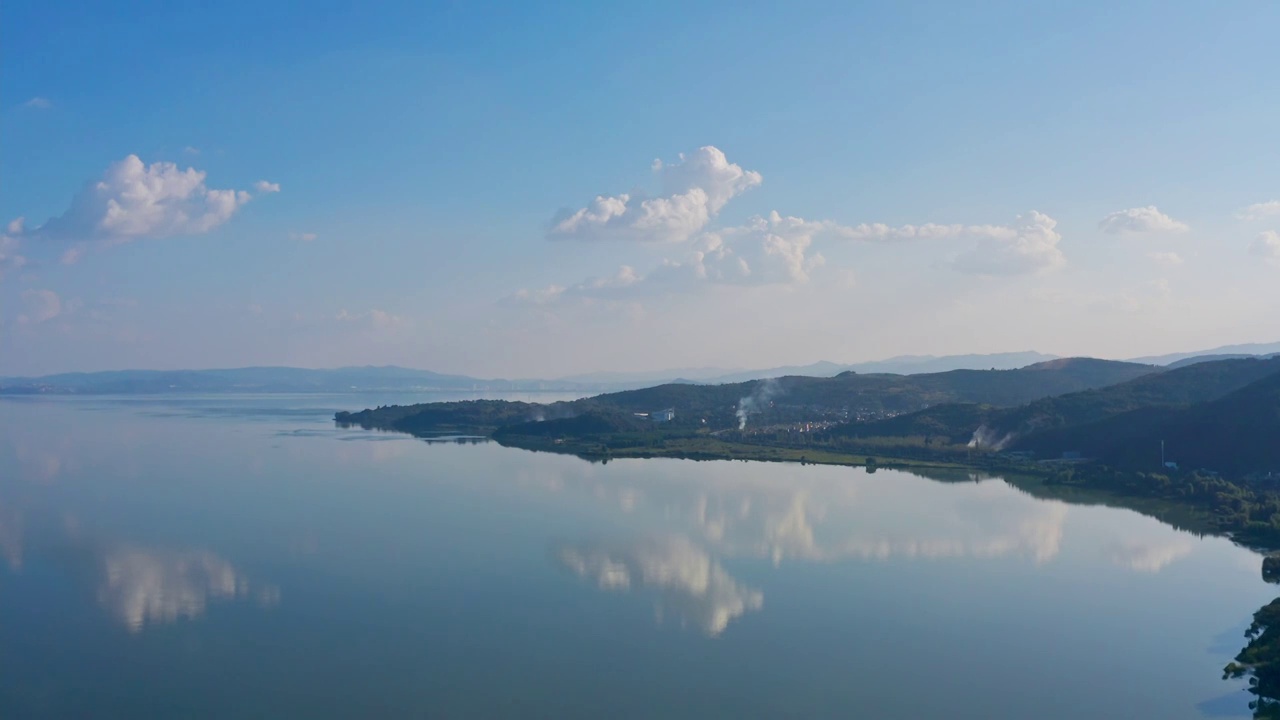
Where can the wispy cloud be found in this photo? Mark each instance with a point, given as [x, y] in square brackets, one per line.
[377, 319]
[38, 103]
[41, 306]
[1167, 259]
[265, 187]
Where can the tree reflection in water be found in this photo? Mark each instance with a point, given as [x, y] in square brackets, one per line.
[1260, 658]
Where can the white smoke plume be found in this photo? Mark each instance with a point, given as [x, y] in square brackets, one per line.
[757, 401]
[990, 438]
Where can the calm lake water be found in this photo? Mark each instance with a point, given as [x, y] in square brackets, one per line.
[228, 557]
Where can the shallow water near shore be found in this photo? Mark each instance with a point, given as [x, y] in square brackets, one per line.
[240, 556]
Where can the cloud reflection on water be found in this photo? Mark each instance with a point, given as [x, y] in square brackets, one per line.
[144, 586]
[690, 582]
[137, 585]
[822, 514]
[1150, 557]
[822, 523]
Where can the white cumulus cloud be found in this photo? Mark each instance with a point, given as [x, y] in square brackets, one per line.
[132, 201]
[1138, 220]
[779, 250]
[135, 200]
[764, 251]
[694, 190]
[265, 187]
[1028, 246]
[1259, 211]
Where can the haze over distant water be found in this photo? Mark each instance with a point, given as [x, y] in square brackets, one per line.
[390, 378]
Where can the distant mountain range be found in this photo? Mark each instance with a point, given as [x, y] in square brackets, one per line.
[273, 380]
[900, 365]
[398, 379]
[1226, 352]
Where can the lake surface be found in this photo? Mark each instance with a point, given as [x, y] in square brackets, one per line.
[242, 557]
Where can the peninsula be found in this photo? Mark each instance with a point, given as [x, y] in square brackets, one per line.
[1194, 445]
[1198, 436]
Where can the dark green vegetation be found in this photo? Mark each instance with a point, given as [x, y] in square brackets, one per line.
[1011, 427]
[880, 393]
[785, 419]
[1221, 416]
[1237, 435]
[483, 416]
[1260, 660]
[1247, 510]
[1219, 423]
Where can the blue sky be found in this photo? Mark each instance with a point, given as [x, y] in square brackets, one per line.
[402, 182]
